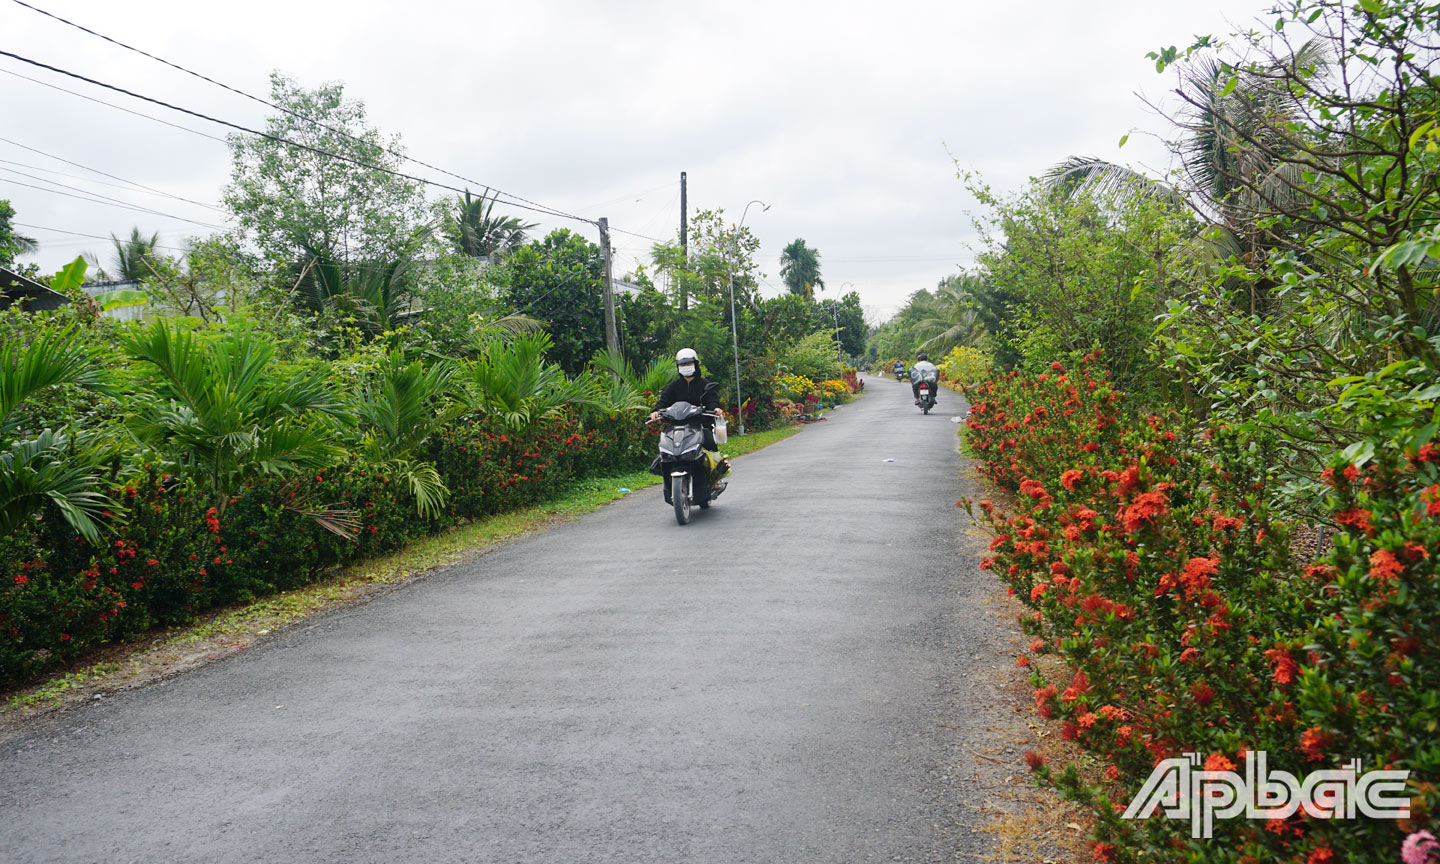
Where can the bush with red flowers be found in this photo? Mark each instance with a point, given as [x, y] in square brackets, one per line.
[174, 556]
[1150, 562]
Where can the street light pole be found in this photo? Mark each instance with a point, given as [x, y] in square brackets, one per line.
[835, 312]
[734, 325]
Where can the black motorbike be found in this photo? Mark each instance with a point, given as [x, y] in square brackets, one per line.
[692, 477]
[927, 396]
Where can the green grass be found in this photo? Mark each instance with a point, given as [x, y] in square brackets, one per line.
[53, 690]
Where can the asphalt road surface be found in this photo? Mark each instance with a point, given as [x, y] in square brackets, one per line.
[782, 680]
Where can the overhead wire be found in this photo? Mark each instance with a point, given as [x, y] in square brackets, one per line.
[131, 187]
[535, 205]
[109, 202]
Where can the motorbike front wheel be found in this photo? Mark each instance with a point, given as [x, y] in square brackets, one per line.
[680, 495]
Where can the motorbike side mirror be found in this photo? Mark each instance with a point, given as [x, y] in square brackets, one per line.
[711, 386]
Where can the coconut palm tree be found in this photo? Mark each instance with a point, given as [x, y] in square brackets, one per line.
[800, 268]
[222, 413]
[473, 228]
[58, 467]
[132, 257]
[956, 320]
[1232, 173]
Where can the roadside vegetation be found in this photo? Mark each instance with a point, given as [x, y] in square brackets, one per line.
[1214, 397]
[354, 369]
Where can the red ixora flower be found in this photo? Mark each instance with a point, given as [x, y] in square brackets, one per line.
[1033, 759]
[1283, 666]
[1313, 742]
[1384, 565]
[1146, 507]
[21, 579]
[1070, 478]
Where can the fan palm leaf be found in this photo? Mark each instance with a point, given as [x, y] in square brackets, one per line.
[57, 469]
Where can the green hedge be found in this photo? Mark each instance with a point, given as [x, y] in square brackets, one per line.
[173, 558]
[1149, 561]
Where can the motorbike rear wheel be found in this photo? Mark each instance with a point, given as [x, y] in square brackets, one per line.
[680, 495]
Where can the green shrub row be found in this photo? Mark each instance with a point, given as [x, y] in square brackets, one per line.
[1151, 563]
[173, 556]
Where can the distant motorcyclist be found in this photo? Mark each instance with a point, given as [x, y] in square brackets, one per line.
[923, 371]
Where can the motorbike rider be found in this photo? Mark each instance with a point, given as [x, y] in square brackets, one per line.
[690, 386]
[923, 370]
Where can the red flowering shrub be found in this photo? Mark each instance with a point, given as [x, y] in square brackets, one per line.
[1150, 562]
[174, 557]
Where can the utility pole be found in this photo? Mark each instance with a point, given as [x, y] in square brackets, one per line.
[684, 243]
[612, 337]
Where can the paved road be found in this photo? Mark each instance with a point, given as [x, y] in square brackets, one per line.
[779, 681]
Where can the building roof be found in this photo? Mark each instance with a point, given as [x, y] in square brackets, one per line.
[29, 294]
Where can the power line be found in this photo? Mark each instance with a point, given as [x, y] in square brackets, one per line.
[129, 185]
[537, 207]
[319, 151]
[116, 107]
[107, 201]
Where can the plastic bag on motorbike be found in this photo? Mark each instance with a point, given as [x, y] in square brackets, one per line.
[720, 431]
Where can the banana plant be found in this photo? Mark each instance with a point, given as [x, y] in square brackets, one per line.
[56, 467]
[399, 409]
[222, 413]
[513, 382]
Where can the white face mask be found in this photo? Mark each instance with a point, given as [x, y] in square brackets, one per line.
[687, 370]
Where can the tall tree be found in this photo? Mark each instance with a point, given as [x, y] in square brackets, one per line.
[134, 257]
[800, 268]
[290, 197]
[559, 280]
[12, 244]
[473, 229]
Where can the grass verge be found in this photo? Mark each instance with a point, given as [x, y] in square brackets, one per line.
[223, 632]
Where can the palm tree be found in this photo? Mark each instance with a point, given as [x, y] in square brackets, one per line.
[132, 256]
[619, 386]
[58, 467]
[399, 409]
[222, 413]
[473, 228]
[800, 268]
[1232, 170]
[956, 320]
[512, 381]
[376, 295]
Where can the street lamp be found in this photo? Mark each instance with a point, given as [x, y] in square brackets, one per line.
[734, 325]
[835, 313]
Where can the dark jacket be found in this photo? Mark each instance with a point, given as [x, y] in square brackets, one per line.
[692, 391]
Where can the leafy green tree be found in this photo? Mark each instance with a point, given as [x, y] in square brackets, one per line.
[847, 317]
[293, 198]
[800, 268]
[560, 280]
[221, 412]
[11, 243]
[472, 228]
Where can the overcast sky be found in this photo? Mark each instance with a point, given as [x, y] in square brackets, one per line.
[847, 119]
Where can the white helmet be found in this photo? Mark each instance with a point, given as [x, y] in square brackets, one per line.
[687, 357]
